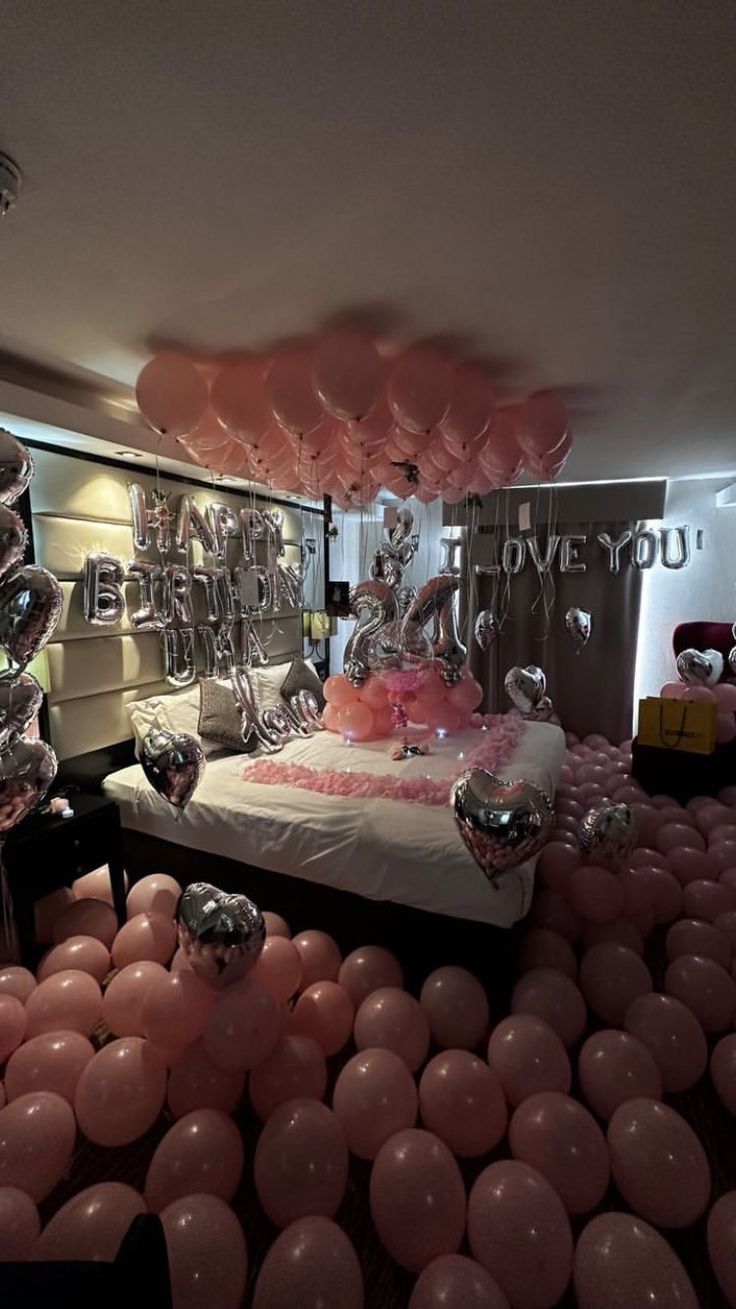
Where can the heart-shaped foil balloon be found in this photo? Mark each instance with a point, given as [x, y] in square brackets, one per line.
[525, 687]
[13, 539]
[607, 831]
[21, 698]
[732, 652]
[173, 762]
[485, 629]
[27, 769]
[579, 625]
[16, 468]
[221, 935]
[700, 667]
[30, 607]
[502, 823]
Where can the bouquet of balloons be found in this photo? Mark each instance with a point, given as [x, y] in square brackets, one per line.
[368, 712]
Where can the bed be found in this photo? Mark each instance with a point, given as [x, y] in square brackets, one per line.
[378, 849]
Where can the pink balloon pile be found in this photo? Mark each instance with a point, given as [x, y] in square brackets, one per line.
[723, 694]
[335, 416]
[364, 713]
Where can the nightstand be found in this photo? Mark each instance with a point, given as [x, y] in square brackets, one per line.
[46, 852]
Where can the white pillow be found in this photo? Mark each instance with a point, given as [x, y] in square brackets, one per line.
[267, 684]
[177, 712]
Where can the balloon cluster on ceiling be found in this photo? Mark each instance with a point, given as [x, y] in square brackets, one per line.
[337, 417]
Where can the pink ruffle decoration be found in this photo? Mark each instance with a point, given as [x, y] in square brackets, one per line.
[501, 736]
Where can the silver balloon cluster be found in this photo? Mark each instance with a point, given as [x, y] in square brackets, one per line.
[30, 608]
[502, 823]
[383, 639]
[173, 763]
[606, 833]
[396, 553]
[220, 934]
[700, 667]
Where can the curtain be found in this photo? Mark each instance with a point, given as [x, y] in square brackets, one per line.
[592, 691]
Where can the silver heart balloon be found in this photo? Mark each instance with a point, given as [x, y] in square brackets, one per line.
[30, 608]
[173, 763]
[221, 934]
[525, 687]
[485, 629]
[607, 831]
[21, 698]
[13, 539]
[579, 625]
[16, 467]
[502, 823]
[542, 712]
[700, 667]
[27, 769]
[732, 660]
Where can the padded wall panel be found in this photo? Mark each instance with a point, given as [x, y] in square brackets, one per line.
[81, 668]
[96, 720]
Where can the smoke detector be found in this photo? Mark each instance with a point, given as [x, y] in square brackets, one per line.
[10, 180]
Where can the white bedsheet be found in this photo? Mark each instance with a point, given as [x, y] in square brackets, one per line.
[382, 849]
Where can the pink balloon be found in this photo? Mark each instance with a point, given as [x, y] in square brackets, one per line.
[86, 918]
[175, 1009]
[122, 1003]
[84, 953]
[454, 1282]
[414, 1173]
[120, 1092]
[500, 457]
[242, 1027]
[551, 909]
[36, 1141]
[276, 925]
[391, 1019]
[278, 968]
[673, 690]
[705, 988]
[339, 691]
[542, 948]
[707, 900]
[196, 1083]
[68, 1001]
[528, 1056]
[325, 1013]
[643, 857]
[171, 394]
[562, 1141]
[329, 718]
[457, 1008]
[374, 1097]
[356, 721]
[301, 1162]
[202, 1154]
[20, 1226]
[621, 931]
[551, 995]
[208, 1261]
[95, 885]
[658, 1163]
[722, 856]
[461, 1100]
[466, 695]
[688, 865]
[614, 1067]
[620, 1260]
[366, 970]
[158, 894]
[610, 978]
[725, 923]
[311, 1264]
[419, 389]
[12, 1025]
[290, 392]
[238, 399]
[555, 864]
[713, 814]
[92, 1225]
[595, 894]
[676, 835]
[721, 1236]
[725, 727]
[146, 936]
[664, 891]
[53, 1061]
[444, 717]
[723, 1071]
[703, 693]
[691, 936]
[512, 1209]
[16, 981]
[673, 1036]
[295, 1069]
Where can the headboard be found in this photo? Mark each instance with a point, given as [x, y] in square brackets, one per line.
[81, 505]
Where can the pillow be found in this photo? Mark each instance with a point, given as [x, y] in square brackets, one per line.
[267, 683]
[301, 677]
[220, 718]
[178, 712]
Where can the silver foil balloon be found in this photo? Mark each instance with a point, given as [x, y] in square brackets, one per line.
[700, 667]
[220, 934]
[732, 660]
[402, 527]
[177, 648]
[485, 629]
[177, 594]
[13, 539]
[680, 557]
[27, 769]
[607, 832]
[525, 687]
[613, 548]
[542, 712]
[30, 608]
[502, 823]
[102, 586]
[21, 698]
[373, 603]
[16, 468]
[191, 524]
[386, 566]
[579, 625]
[148, 617]
[399, 645]
[406, 595]
[436, 601]
[173, 763]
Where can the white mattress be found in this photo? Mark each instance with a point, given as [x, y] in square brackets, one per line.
[382, 849]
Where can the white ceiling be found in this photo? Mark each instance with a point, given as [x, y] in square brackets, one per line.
[551, 184]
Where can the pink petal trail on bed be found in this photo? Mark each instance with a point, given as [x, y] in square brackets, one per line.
[502, 734]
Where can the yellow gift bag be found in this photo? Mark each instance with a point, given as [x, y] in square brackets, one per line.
[678, 724]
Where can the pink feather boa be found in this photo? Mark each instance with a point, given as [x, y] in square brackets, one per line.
[499, 739]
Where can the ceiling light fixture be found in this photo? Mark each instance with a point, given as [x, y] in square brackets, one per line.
[129, 454]
[10, 180]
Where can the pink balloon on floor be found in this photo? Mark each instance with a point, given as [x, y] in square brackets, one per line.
[84, 953]
[558, 1137]
[595, 894]
[158, 893]
[721, 857]
[457, 1008]
[707, 900]
[528, 1056]
[320, 956]
[556, 863]
[86, 918]
[122, 1003]
[551, 909]
[623, 1263]
[367, 969]
[324, 1011]
[512, 1209]
[374, 1097]
[610, 978]
[202, 1154]
[242, 1027]
[276, 925]
[706, 989]
[16, 981]
[146, 936]
[415, 1173]
[311, 1264]
[542, 948]
[301, 1162]
[678, 836]
[12, 1025]
[613, 1067]
[121, 1092]
[175, 1009]
[692, 936]
[551, 995]
[95, 885]
[67, 1001]
[196, 1083]
[391, 1019]
[295, 1069]
[658, 1163]
[721, 1238]
[461, 1100]
[53, 1061]
[673, 1036]
[37, 1134]
[622, 932]
[92, 1225]
[20, 1226]
[723, 1071]
[453, 1281]
[278, 968]
[208, 1259]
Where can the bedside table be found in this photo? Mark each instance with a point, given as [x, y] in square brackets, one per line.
[46, 852]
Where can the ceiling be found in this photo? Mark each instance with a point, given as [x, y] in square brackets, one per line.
[549, 185]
